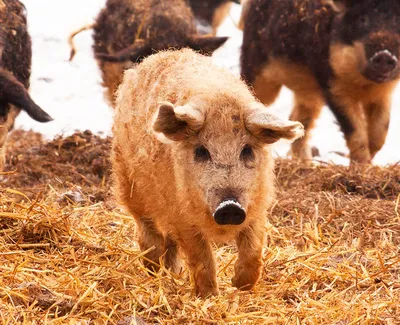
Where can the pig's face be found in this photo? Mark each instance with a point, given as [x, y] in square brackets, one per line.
[13, 98]
[371, 29]
[220, 152]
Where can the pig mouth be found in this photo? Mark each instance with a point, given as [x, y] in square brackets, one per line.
[229, 212]
[379, 77]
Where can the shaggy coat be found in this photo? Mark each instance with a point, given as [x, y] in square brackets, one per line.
[211, 12]
[126, 31]
[341, 53]
[15, 70]
[192, 164]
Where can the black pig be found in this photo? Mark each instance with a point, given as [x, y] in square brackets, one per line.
[15, 70]
[340, 53]
[127, 31]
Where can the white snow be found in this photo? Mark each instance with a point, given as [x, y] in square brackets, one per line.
[72, 93]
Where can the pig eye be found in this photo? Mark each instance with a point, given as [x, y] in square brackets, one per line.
[201, 154]
[247, 153]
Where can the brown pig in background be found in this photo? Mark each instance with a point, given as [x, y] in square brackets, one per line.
[342, 53]
[192, 163]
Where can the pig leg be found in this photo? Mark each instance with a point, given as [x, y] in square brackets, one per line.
[306, 110]
[171, 260]
[378, 117]
[257, 71]
[150, 238]
[266, 87]
[201, 263]
[6, 124]
[248, 266]
[352, 120]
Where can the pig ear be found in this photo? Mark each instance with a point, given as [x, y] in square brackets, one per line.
[178, 123]
[269, 128]
[206, 44]
[131, 53]
[13, 92]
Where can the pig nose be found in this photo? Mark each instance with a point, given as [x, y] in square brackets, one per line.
[383, 61]
[229, 212]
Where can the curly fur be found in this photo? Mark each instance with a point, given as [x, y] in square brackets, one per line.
[169, 105]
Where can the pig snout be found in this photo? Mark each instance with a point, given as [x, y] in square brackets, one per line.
[381, 65]
[229, 212]
[384, 61]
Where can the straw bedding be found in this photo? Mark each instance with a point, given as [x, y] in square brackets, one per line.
[68, 255]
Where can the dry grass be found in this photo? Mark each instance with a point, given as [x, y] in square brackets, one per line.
[68, 256]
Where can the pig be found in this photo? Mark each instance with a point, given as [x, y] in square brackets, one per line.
[127, 31]
[211, 12]
[340, 53]
[191, 163]
[15, 70]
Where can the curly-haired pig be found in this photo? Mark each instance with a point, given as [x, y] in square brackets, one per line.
[15, 70]
[341, 53]
[192, 163]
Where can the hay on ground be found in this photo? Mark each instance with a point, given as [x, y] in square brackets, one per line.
[68, 255]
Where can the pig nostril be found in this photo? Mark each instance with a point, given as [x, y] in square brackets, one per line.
[390, 62]
[229, 212]
[377, 60]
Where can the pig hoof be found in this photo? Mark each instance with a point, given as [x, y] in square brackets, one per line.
[242, 284]
[151, 267]
[245, 279]
[205, 292]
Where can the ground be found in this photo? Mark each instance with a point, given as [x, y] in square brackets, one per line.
[68, 254]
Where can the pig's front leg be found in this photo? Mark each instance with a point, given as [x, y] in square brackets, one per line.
[351, 117]
[201, 262]
[248, 266]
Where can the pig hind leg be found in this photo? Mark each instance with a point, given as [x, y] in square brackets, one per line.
[306, 110]
[256, 68]
[266, 87]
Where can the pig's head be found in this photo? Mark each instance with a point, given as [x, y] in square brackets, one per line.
[220, 152]
[366, 38]
[15, 97]
[162, 33]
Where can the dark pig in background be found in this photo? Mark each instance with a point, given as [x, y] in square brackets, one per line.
[127, 31]
[340, 53]
[15, 70]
